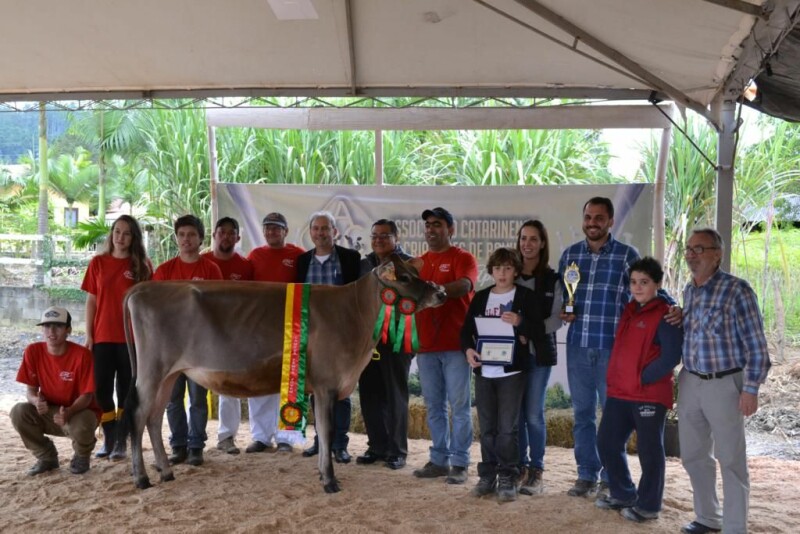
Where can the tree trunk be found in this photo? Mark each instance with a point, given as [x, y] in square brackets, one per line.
[43, 223]
[101, 179]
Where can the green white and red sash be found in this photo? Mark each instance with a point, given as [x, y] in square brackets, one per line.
[293, 406]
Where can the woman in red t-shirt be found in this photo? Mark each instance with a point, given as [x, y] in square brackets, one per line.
[111, 273]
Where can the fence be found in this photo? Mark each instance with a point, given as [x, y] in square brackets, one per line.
[25, 249]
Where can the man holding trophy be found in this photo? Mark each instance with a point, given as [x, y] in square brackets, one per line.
[595, 275]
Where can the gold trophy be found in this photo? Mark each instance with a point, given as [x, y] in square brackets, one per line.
[571, 278]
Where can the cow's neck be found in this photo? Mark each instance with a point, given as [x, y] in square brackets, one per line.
[368, 300]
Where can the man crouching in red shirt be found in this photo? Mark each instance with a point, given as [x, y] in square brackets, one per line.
[60, 379]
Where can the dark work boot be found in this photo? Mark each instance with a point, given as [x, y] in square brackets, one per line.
[109, 433]
[178, 456]
[487, 480]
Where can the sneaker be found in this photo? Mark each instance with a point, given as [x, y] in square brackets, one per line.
[42, 466]
[258, 446]
[431, 470]
[178, 456]
[583, 488]
[506, 489]
[610, 503]
[603, 489]
[284, 447]
[457, 475]
[485, 486]
[637, 515]
[195, 457]
[228, 445]
[79, 465]
[532, 484]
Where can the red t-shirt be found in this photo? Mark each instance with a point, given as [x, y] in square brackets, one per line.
[439, 328]
[275, 264]
[235, 268]
[60, 379]
[108, 279]
[177, 269]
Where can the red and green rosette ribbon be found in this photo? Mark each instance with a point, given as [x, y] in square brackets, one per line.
[395, 323]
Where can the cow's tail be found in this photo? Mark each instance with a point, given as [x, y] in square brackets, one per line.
[132, 398]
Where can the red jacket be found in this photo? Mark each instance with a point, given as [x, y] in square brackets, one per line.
[633, 350]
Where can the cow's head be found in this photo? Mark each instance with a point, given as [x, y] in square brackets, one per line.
[405, 280]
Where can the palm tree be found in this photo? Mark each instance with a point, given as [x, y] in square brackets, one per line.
[109, 133]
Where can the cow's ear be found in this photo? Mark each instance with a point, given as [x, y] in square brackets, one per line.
[386, 271]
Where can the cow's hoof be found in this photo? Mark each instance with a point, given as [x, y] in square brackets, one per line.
[143, 483]
[332, 487]
[167, 477]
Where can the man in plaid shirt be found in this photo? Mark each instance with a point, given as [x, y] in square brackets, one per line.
[600, 296]
[725, 360]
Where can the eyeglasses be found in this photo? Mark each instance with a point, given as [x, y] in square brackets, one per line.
[381, 236]
[697, 250]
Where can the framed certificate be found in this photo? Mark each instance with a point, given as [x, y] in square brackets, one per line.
[496, 350]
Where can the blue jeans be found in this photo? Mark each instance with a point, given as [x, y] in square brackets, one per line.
[444, 377]
[586, 374]
[192, 435]
[532, 426]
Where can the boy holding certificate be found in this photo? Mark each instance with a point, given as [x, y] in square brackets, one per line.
[499, 322]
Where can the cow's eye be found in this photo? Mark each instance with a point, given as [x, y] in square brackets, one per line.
[405, 277]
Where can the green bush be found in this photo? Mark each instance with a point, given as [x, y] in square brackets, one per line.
[556, 398]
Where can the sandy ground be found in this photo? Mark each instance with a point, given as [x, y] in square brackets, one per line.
[280, 492]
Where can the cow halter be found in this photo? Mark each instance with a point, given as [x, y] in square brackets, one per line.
[396, 322]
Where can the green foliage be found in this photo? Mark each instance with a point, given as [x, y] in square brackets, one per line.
[414, 387]
[71, 294]
[556, 398]
[90, 233]
[747, 261]
[689, 194]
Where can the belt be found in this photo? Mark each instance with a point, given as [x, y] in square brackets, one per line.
[709, 376]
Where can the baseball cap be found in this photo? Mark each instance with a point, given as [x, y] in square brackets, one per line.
[439, 213]
[55, 315]
[275, 218]
[228, 220]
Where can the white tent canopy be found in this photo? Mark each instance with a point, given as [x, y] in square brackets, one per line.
[689, 50]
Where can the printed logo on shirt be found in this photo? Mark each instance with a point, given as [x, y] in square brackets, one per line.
[647, 410]
[198, 278]
[288, 262]
[128, 275]
[444, 268]
[236, 276]
[67, 376]
[641, 324]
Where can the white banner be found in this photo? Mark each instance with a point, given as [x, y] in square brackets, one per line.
[485, 217]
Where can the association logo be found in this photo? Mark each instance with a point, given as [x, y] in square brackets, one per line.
[641, 324]
[288, 262]
[444, 268]
[236, 276]
[128, 275]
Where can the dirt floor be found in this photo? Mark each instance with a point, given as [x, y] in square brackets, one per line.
[280, 492]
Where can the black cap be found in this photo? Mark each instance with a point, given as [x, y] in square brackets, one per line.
[275, 218]
[228, 220]
[439, 213]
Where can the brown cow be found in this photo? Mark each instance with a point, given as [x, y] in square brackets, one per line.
[228, 337]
